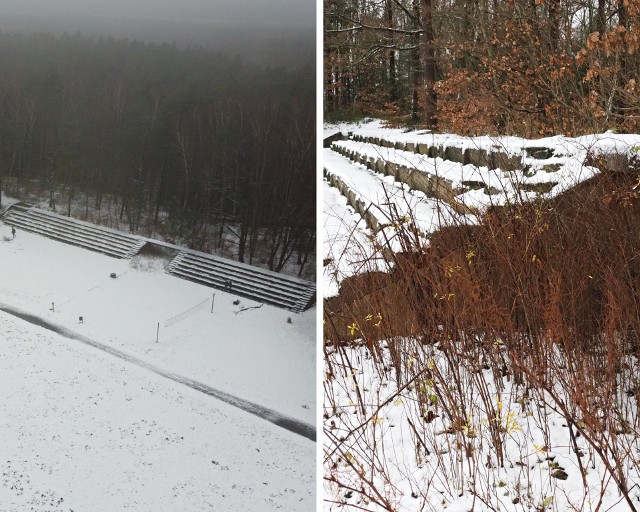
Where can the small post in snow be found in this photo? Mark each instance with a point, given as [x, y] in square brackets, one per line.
[213, 298]
[53, 307]
[158, 333]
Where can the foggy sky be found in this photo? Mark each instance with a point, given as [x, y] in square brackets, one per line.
[276, 12]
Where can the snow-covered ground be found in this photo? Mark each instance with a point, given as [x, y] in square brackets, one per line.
[84, 430]
[385, 449]
[347, 249]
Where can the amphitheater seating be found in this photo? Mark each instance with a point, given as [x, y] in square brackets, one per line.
[74, 232]
[247, 281]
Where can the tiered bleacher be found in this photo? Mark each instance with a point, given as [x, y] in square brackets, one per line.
[244, 280]
[239, 279]
[74, 232]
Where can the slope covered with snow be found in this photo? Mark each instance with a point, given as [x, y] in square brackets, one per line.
[85, 430]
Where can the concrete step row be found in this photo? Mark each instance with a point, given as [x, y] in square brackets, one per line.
[22, 207]
[278, 282]
[306, 299]
[396, 216]
[246, 281]
[103, 232]
[432, 184]
[494, 157]
[466, 187]
[63, 229]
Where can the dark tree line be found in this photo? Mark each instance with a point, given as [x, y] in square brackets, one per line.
[261, 43]
[187, 142]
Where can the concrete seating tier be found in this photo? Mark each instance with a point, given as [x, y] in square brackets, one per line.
[74, 232]
[247, 281]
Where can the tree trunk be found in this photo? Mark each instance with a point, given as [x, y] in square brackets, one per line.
[554, 25]
[308, 248]
[392, 56]
[242, 240]
[69, 202]
[416, 71]
[429, 57]
[600, 18]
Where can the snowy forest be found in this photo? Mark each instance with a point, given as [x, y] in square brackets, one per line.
[186, 143]
[524, 67]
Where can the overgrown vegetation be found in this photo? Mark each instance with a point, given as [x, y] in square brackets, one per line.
[479, 338]
[514, 67]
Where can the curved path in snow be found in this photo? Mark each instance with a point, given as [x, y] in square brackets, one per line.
[290, 424]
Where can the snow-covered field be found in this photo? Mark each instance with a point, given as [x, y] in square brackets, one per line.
[84, 430]
[386, 450]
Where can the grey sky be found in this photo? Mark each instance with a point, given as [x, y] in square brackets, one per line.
[286, 12]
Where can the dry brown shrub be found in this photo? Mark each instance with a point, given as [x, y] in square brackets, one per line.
[547, 293]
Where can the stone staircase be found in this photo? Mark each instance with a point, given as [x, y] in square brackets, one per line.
[246, 281]
[390, 207]
[74, 232]
[452, 172]
[425, 174]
